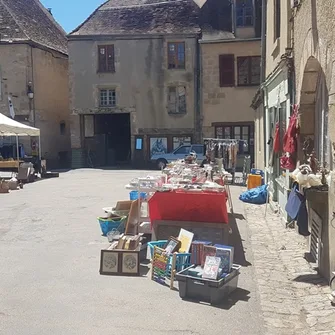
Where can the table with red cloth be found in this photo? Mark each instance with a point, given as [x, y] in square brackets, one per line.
[181, 205]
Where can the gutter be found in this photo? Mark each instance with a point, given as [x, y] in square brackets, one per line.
[232, 40]
[263, 67]
[198, 95]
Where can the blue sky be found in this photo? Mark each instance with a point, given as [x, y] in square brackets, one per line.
[71, 13]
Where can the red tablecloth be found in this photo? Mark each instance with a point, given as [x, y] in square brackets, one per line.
[189, 206]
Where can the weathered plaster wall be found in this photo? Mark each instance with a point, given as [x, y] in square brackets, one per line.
[141, 81]
[275, 48]
[48, 72]
[225, 104]
[51, 100]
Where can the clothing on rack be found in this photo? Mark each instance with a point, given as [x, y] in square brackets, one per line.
[224, 148]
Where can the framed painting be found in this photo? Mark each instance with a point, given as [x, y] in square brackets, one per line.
[109, 262]
[130, 263]
[158, 145]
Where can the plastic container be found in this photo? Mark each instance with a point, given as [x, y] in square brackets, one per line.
[183, 260]
[133, 195]
[212, 291]
[257, 171]
[254, 180]
[110, 223]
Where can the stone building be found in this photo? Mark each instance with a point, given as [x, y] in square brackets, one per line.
[34, 75]
[278, 98]
[133, 78]
[230, 64]
[314, 54]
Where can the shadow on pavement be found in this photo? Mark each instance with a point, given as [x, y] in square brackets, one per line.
[238, 295]
[311, 278]
[236, 241]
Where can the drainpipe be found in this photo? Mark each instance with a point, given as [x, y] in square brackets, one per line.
[263, 65]
[197, 93]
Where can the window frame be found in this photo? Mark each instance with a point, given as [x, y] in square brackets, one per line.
[223, 70]
[241, 6]
[175, 56]
[108, 90]
[249, 58]
[109, 50]
[177, 104]
[231, 127]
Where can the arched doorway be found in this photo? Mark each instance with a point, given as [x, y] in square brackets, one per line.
[314, 113]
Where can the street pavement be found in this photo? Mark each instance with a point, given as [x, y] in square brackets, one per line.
[50, 244]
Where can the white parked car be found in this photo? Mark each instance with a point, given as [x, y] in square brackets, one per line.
[161, 160]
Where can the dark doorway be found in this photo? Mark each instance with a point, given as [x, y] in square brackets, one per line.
[116, 130]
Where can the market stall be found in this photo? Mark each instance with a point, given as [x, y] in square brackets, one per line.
[9, 127]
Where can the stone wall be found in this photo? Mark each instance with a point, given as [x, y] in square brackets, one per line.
[314, 39]
[225, 104]
[48, 72]
[141, 81]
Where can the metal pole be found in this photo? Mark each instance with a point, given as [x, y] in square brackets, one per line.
[17, 149]
[39, 147]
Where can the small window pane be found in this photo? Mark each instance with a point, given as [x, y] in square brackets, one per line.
[227, 132]
[219, 132]
[237, 131]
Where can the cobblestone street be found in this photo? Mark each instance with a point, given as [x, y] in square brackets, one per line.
[50, 284]
[294, 299]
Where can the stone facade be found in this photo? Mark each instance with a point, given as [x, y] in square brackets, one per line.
[48, 72]
[314, 52]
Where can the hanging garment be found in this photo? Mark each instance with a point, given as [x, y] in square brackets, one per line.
[276, 141]
[294, 202]
[287, 162]
[290, 137]
[302, 219]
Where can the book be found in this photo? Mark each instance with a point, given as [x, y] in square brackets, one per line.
[212, 267]
[197, 250]
[207, 251]
[226, 254]
[185, 237]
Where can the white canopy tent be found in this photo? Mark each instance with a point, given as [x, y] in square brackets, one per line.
[10, 127]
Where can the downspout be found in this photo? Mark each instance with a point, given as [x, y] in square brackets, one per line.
[32, 81]
[197, 93]
[263, 67]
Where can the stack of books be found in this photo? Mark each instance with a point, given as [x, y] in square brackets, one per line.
[197, 251]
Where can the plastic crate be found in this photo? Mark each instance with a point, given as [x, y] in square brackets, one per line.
[212, 291]
[110, 223]
[183, 260]
[133, 195]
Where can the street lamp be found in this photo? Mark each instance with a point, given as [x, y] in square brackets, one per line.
[30, 94]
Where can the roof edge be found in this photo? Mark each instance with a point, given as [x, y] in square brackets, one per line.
[88, 18]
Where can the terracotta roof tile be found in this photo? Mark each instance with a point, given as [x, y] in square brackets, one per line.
[28, 20]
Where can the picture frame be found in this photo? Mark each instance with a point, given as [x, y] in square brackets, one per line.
[172, 245]
[130, 264]
[109, 262]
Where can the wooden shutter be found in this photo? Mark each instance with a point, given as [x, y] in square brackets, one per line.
[110, 58]
[102, 51]
[227, 70]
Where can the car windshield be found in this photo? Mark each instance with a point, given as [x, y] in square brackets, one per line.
[199, 149]
[182, 150]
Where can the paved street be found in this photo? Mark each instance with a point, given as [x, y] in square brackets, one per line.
[50, 284]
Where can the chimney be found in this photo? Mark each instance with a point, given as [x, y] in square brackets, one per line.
[50, 10]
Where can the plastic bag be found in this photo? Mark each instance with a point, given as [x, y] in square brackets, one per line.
[258, 195]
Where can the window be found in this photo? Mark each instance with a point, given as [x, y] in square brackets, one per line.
[106, 58]
[177, 100]
[199, 149]
[277, 19]
[183, 150]
[249, 71]
[227, 71]
[238, 132]
[244, 13]
[107, 98]
[176, 55]
[62, 128]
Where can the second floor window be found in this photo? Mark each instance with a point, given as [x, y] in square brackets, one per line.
[177, 100]
[244, 13]
[107, 98]
[176, 55]
[227, 70]
[106, 61]
[248, 71]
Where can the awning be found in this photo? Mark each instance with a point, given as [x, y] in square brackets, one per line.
[10, 127]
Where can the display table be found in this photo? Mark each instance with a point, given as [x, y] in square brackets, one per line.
[183, 205]
[10, 164]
